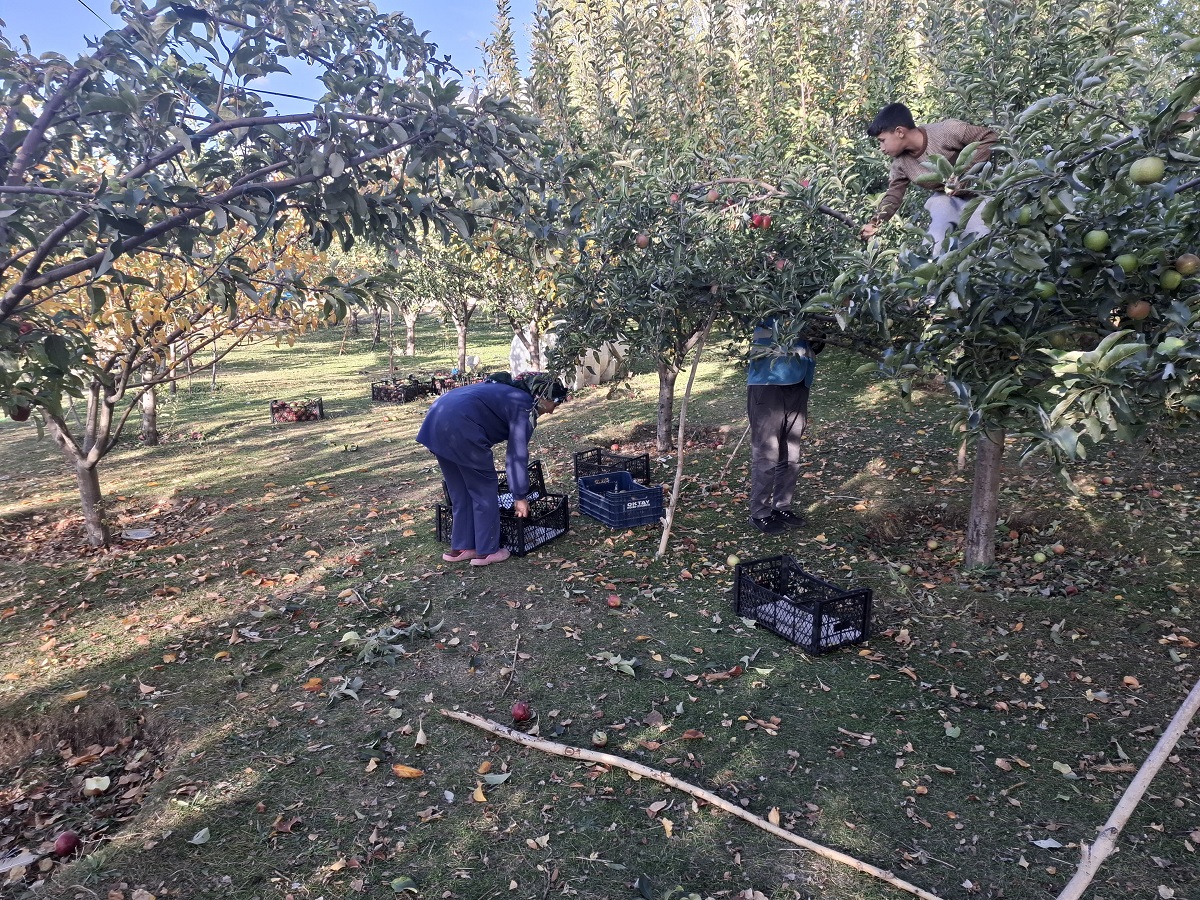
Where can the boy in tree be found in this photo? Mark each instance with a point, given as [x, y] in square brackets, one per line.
[910, 148]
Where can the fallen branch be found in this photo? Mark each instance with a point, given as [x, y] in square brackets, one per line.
[1092, 857]
[608, 759]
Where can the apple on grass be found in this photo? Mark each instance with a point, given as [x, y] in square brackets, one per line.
[66, 843]
[521, 711]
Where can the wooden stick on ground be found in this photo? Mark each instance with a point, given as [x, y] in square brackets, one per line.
[1093, 856]
[608, 759]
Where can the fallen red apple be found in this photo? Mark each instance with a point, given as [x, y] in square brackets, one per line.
[599, 739]
[1070, 590]
[613, 601]
[616, 448]
[521, 711]
[66, 843]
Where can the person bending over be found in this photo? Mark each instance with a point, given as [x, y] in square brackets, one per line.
[460, 430]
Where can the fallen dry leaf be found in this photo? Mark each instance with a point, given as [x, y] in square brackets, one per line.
[400, 770]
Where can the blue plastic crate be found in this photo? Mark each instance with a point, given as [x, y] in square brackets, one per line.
[618, 501]
[796, 605]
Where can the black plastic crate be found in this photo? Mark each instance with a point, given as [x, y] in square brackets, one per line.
[618, 501]
[796, 605]
[549, 517]
[297, 410]
[402, 390]
[537, 486]
[597, 461]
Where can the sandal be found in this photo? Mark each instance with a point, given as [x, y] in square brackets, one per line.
[499, 556]
[458, 555]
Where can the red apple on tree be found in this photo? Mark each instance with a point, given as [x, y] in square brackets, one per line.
[713, 196]
[19, 413]
[642, 240]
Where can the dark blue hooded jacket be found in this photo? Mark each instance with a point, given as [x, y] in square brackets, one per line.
[464, 424]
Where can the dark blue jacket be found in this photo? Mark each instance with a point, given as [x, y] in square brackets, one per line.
[464, 424]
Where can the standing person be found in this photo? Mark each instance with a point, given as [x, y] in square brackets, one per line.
[910, 148]
[778, 383]
[460, 430]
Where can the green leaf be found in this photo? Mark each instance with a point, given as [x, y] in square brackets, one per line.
[404, 883]
[56, 352]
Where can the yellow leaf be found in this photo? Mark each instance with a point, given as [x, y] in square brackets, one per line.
[485, 767]
[478, 796]
[372, 765]
[667, 825]
[402, 771]
[773, 815]
[75, 695]
[222, 654]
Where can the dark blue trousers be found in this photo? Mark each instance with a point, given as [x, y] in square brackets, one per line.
[473, 494]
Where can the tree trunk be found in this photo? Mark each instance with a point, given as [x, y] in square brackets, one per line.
[985, 499]
[354, 332]
[535, 347]
[150, 418]
[91, 501]
[377, 326]
[410, 333]
[213, 387]
[462, 348]
[391, 343]
[669, 518]
[666, 405]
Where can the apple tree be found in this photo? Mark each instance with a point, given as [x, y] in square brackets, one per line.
[1076, 317]
[132, 149]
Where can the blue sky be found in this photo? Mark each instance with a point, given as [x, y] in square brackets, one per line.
[456, 26]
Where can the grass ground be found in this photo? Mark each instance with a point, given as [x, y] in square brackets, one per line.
[987, 727]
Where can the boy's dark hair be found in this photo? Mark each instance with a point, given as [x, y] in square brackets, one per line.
[891, 117]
